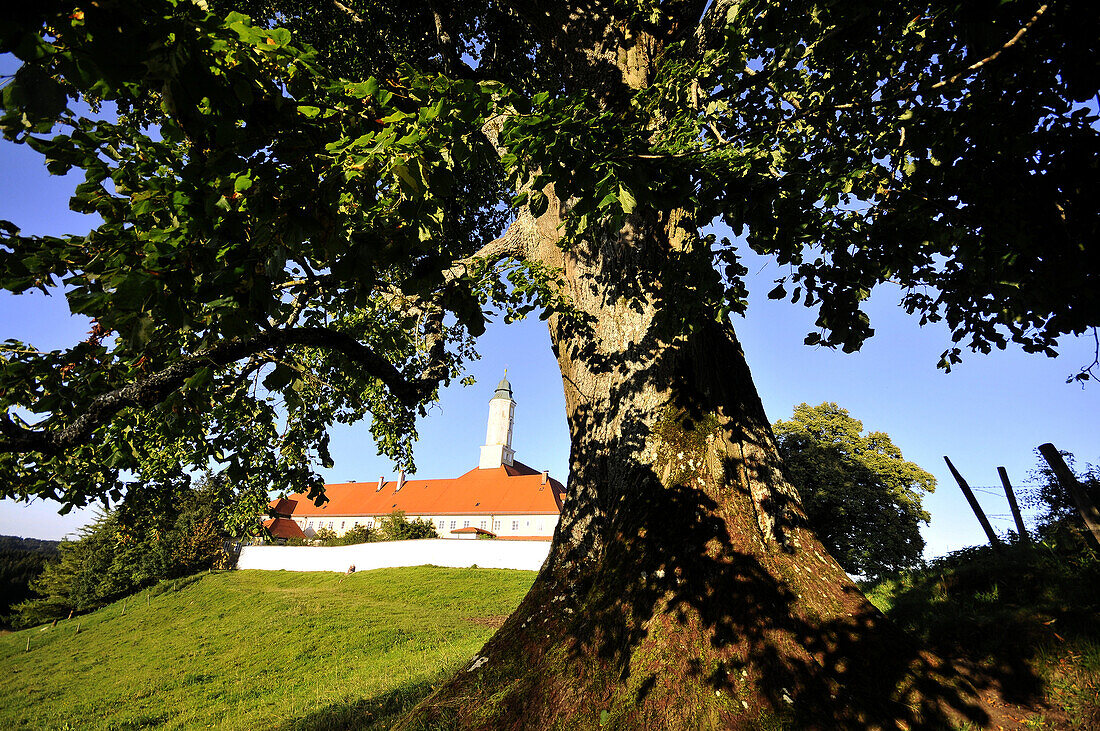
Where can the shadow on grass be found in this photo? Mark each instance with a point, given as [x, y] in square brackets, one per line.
[1026, 617]
[378, 712]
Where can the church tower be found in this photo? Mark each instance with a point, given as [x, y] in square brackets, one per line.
[497, 449]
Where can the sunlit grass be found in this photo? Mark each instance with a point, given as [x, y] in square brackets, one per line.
[255, 649]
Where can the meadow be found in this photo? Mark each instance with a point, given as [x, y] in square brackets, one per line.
[281, 650]
[255, 649]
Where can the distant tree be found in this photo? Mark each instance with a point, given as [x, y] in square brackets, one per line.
[860, 495]
[325, 537]
[21, 561]
[153, 535]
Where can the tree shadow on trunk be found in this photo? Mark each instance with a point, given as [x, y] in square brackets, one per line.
[688, 592]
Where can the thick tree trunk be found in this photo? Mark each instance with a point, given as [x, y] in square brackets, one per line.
[683, 588]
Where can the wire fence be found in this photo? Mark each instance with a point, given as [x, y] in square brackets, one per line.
[1025, 495]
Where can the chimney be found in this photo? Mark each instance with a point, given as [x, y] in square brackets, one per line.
[381, 482]
[545, 477]
[400, 480]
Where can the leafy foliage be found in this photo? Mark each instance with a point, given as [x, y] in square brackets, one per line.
[355, 535]
[861, 496]
[295, 232]
[326, 537]
[252, 208]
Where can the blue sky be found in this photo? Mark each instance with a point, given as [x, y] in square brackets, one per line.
[991, 411]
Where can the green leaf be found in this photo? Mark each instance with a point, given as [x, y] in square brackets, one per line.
[202, 377]
[402, 172]
[626, 198]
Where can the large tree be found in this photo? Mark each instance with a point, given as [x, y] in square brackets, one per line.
[293, 237]
[861, 496]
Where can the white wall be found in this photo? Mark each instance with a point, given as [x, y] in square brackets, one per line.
[529, 525]
[525, 555]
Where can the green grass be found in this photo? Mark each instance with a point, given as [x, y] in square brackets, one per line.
[256, 649]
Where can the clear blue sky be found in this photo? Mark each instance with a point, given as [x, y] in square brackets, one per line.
[992, 410]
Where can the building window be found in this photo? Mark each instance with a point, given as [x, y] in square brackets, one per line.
[542, 523]
[496, 525]
[310, 524]
[482, 525]
[370, 523]
[452, 524]
[330, 525]
[465, 524]
[515, 525]
[342, 524]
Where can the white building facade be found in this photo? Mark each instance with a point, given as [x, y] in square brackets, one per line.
[500, 498]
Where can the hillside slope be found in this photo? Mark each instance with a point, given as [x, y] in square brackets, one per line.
[254, 649]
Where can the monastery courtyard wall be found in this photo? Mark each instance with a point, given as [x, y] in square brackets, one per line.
[524, 555]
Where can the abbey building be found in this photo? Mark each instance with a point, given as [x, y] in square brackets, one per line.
[501, 497]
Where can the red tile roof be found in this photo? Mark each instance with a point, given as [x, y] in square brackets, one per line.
[506, 490]
[282, 506]
[283, 528]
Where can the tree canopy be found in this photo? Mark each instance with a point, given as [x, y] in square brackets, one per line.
[861, 496]
[315, 219]
[308, 208]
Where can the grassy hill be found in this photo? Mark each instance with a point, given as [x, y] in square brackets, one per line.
[280, 650]
[256, 650]
[1023, 621]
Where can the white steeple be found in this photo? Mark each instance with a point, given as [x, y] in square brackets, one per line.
[497, 449]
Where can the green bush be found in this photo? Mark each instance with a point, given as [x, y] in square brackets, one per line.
[325, 537]
[1028, 612]
[356, 534]
[396, 527]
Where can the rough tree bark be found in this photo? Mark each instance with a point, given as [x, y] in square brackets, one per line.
[683, 588]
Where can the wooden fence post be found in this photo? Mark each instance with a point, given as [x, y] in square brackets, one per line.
[1089, 514]
[993, 540]
[1020, 529]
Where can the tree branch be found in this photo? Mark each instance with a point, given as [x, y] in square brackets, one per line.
[351, 13]
[453, 65]
[153, 389]
[916, 88]
[706, 32]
